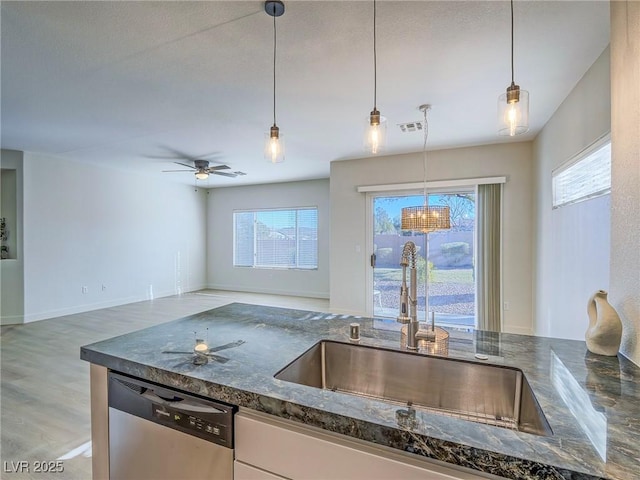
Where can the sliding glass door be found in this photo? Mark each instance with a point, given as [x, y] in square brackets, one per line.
[451, 261]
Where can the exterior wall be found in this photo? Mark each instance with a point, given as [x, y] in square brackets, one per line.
[221, 205]
[571, 253]
[350, 254]
[625, 195]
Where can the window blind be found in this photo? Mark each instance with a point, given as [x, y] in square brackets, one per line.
[587, 178]
[276, 238]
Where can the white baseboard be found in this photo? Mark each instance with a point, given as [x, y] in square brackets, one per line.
[11, 319]
[35, 317]
[268, 291]
[518, 330]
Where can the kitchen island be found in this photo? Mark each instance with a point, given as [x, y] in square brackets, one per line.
[591, 403]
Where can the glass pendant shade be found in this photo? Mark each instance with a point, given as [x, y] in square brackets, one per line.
[375, 134]
[202, 175]
[513, 112]
[274, 146]
[425, 219]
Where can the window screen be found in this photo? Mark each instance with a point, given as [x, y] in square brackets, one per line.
[276, 238]
[589, 177]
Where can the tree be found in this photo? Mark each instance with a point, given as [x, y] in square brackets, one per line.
[262, 231]
[462, 206]
[383, 223]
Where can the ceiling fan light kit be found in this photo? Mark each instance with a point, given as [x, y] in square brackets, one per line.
[274, 141]
[513, 105]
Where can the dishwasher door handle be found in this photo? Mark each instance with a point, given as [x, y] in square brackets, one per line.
[183, 404]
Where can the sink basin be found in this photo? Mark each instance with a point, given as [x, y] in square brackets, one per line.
[495, 395]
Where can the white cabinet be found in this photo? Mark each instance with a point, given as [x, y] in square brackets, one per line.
[267, 447]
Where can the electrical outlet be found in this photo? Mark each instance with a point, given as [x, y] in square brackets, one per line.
[506, 306]
[85, 289]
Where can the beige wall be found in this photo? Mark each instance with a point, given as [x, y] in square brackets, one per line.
[221, 205]
[625, 196]
[562, 285]
[350, 254]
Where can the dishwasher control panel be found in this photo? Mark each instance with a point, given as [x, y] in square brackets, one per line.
[189, 422]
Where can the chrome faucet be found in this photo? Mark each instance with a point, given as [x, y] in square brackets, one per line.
[409, 297]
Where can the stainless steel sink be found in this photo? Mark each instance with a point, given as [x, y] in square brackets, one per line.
[495, 395]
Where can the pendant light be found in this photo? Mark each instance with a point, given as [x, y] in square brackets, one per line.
[274, 141]
[426, 218]
[513, 106]
[375, 135]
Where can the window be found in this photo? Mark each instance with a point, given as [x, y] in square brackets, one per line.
[276, 238]
[588, 177]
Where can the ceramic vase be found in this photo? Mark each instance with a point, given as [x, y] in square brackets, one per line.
[605, 328]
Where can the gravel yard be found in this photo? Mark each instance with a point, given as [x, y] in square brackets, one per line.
[450, 291]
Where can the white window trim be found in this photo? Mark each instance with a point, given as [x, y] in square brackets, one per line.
[402, 187]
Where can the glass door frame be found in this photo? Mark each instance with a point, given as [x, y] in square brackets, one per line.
[369, 224]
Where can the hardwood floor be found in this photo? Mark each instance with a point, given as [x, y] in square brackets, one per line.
[44, 391]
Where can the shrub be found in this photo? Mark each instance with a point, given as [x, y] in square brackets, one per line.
[454, 252]
[420, 269]
[384, 257]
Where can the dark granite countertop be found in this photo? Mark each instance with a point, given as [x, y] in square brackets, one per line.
[592, 403]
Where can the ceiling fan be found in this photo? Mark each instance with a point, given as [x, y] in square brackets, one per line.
[201, 167]
[203, 170]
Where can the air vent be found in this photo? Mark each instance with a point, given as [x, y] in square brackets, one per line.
[410, 127]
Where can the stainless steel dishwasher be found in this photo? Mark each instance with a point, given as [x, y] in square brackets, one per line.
[159, 433]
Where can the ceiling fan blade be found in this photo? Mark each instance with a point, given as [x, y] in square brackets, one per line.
[219, 167]
[182, 155]
[210, 156]
[224, 174]
[185, 165]
[163, 157]
[190, 171]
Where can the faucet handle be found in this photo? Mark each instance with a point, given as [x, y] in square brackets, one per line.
[403, 316]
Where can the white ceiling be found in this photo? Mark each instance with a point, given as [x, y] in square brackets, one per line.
[125, 83]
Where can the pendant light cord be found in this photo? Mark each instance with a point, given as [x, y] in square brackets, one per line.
[425, 128]
[375, 65]
[274, 66]
[512, 76]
